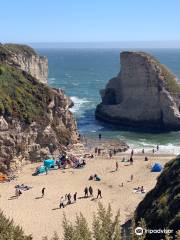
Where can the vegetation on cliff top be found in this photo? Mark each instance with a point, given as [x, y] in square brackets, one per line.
[161, 206]
[21, 96]
[20, 49]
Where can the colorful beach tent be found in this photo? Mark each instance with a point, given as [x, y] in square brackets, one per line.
[157, 167]
[40, 169]
[49, 163]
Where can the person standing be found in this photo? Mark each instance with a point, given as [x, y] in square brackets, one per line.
[117, 166]
[75, 196]
[61, 205]
[86, 192]
[100, 136]
[132, 177]
[91, 191]
[43, 192]
[99, 194]
[69, 198]
[110, 154]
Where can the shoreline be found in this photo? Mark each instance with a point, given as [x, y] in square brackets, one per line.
[43, 215]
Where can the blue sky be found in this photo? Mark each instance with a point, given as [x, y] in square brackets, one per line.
[89, 20]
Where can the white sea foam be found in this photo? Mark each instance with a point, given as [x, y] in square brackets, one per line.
[78, 103]
[51, 80]
[163, 148]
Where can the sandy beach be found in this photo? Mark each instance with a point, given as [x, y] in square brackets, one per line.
[42, 216]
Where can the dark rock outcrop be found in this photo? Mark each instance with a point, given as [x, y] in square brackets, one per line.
[145, 94]
[35, 121]
[161, 206]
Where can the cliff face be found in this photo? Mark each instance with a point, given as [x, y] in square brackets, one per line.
[145, 94]
[28, 60]
[161, 206]
[35, 121]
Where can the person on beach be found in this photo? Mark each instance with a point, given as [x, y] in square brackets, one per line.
[142, 189]
[69, 198]
[153, 151]
[110, 154]
[146, 159]
[86, 192]
[157, 147]
[114, 151]
[43, 192]
[131, 160]
[132, 177]
[132, 152]
[99, 151]
[75, 196]
[61, 204]
[143, 151]
[46, 169]
[91, 191]
[99, 194]
[96, 150]
[117, 166]
[100, 136]
[17, 192]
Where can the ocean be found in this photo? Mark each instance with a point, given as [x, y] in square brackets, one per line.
[83, 72]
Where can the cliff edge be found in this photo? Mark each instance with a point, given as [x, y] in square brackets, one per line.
[144, 95]
[27, 59]
[35, 121]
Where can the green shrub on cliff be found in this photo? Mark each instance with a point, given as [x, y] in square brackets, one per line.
[22, 96]
[161, 206]
[9, 231]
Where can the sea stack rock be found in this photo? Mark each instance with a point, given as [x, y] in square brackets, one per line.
[144, 95]
[28, 60]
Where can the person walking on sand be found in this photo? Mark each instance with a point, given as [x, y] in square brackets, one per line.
[131, 160]
[69, 198]
[91, 191]
[117, 166]
[43, 192]
[99, 194]
[75, 196]
[86, 192]
[61, 205]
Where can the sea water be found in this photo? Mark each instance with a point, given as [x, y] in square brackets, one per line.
[83, 72]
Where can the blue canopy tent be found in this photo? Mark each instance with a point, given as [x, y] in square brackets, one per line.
[157, 167]
[49, 163]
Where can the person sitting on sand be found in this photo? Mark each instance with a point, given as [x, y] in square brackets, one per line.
[75, 196]
[142, 189]
[91, 191]
[99, 194]
[61, 204]
[86, 192]
[91, 177]
[43, 191]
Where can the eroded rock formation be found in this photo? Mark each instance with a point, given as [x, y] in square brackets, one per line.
[145, 94]
[35, 121]
[27, 59]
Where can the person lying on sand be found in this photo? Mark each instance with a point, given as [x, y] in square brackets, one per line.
[139, 190]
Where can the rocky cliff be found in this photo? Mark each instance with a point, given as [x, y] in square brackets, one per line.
[35, 121]
[145, 94]
[27, 59]
[161, 206]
